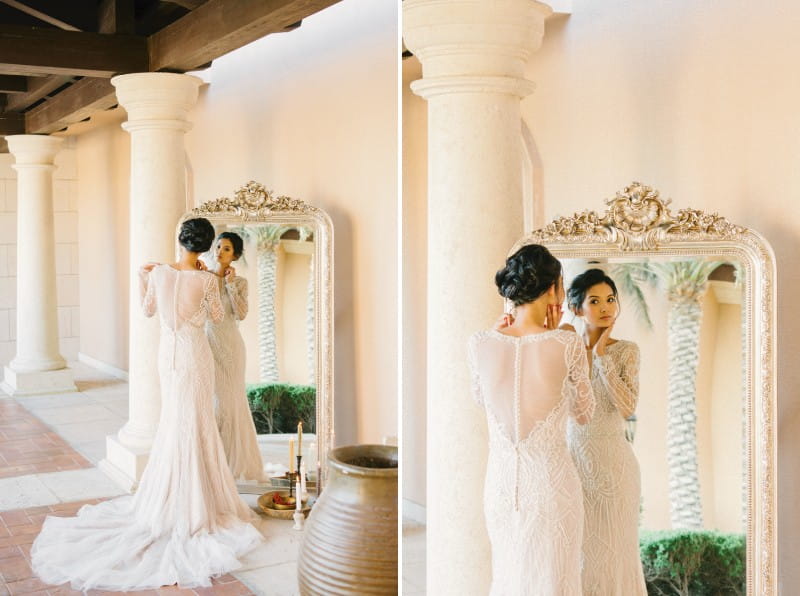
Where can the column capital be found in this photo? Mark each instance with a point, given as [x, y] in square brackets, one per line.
[473, 38]
[156, 99]
[34, 150]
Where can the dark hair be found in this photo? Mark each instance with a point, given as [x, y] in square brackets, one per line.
[236, 241]
[196, 235]
[528, 274]
[581, 284]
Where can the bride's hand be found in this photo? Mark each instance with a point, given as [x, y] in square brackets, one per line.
[148, 267]
[602, 342]
[553, 316]
[503, 321]
[230, 273]
[200, 265]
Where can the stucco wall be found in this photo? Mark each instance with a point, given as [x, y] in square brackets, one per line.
[311, 114]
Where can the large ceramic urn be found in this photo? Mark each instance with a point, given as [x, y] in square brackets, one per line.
[350, 542]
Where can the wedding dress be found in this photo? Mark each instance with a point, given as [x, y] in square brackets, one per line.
[186, 522]
[236, 427]
[610, 476]
[529, 387]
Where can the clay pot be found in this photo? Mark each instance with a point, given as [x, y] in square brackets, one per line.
[350, 542]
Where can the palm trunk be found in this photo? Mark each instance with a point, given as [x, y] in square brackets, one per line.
[267, 345]
[684, 485]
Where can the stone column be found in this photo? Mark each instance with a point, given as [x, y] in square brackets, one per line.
[38, 367]
[473, 56]
[158, 105]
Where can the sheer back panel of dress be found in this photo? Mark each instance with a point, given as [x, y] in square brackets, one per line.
[178, 294]
[544, 379]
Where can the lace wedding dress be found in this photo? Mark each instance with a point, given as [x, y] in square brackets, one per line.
[186, 522]
[236, 427]
[610, 476]
[529, 387]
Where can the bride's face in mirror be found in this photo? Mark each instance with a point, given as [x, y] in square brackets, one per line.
[599, 307]
[224, 252]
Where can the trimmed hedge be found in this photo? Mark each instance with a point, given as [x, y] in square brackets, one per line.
[278, 407]
[693, 563]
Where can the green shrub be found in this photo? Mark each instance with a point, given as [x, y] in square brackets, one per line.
[693, 563]
[278, 407]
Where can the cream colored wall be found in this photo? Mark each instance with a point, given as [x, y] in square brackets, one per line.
[696, 99]
[415, 246]
[706, 461]
[293, 346]
[103, 164]
[727, 415]
[311, 114]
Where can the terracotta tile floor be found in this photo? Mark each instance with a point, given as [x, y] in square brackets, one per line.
[27, 446]
[19, 528]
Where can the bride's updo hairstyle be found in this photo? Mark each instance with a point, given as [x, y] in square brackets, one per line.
[528, 274]
[581, 284]
[236, 242]
[196, 235]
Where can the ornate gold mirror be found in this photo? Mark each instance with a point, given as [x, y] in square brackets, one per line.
[697, 294]
[288, 331]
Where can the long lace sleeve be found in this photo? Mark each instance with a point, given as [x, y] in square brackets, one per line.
[581, 397]
[147, 293]
[237, 292]
[472, 354]
[212, 300]
[620, 374]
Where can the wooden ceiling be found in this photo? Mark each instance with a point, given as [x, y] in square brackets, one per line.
[57, 56]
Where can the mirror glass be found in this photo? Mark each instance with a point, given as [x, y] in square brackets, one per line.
[696, 295]
[287, 260]
[685, 315]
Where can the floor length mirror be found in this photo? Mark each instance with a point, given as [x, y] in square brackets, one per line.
[696, 295]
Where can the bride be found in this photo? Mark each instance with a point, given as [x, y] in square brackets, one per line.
[186, 522]
[531, 377]
[233, 411]
[605, 460]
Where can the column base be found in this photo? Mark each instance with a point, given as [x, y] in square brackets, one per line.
[124, 465]
[38, 382]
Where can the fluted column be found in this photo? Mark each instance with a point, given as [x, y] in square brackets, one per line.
[37, 367]
[158, 105]
[473, 55]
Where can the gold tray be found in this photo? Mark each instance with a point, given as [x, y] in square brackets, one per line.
[280, 511]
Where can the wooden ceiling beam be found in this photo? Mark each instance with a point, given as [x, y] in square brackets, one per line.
[70, 15]
[38, 87]
[116, 16]
[12, 84]
[221, 26]
[38, 14]
[11, 124]
[28, 50]
[188, 4]
[75, 103]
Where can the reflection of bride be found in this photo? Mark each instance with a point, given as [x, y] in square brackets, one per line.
[186, 523]
[233, 411]
[531, 377]
[604, 458]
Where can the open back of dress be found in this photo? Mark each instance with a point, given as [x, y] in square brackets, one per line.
[529, 387]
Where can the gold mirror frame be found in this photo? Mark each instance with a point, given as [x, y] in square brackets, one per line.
[637, 222]
[254, 203]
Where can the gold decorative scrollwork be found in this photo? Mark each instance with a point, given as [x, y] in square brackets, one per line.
[253, 201]
[637, 218]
